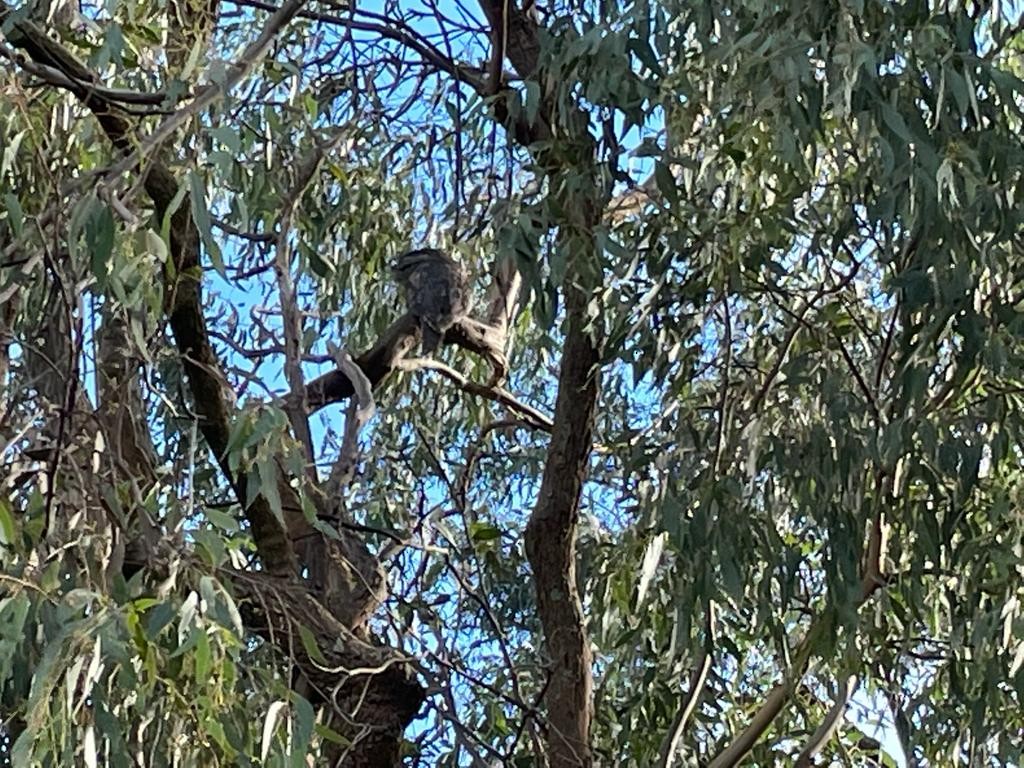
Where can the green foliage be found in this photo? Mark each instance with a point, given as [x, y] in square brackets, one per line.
[813, 315]
[113, 679]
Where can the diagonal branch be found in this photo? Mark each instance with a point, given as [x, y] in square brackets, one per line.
[533, 417]
[698, 678]
[360, 410]
[828, 726]
[385, 357]
[57, 77]
[184, 290]
[872, 579]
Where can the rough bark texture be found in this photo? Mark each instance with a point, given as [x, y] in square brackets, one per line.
[372, 691]
[551, 530]
[550, 545]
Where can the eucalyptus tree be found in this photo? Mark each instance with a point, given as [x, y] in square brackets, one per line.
[721, 467]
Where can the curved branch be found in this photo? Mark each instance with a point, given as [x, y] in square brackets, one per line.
[670, 745]
[385, 356]
[828, 726]
[184, 302]
[533, 417]
[431, 55]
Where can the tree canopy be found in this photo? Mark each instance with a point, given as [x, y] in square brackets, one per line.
[723, 467]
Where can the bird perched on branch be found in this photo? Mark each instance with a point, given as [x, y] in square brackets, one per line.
[436, 292]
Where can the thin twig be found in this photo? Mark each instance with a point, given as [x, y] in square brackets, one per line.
[828, 726]
[474, 453]
[430, 54]
[670, 745]
[787, 342]
[536, 419]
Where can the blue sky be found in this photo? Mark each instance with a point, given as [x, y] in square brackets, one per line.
[863, 713]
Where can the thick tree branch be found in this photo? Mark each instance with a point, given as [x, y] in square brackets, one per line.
[499, 42]
[551, 540]
[56, 77]
[518, 31]
[184, 291]
[372, 690]
[376, 364]
[551, 531]
[393, 345]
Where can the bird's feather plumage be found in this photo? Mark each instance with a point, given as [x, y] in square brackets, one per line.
[436, 292]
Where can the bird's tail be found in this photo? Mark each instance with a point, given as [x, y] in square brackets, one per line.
[431, 339]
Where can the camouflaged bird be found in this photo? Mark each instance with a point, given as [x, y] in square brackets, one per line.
[436, 292]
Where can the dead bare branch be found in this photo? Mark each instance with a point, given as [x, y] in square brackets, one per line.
[360, 410]
[291, 316]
